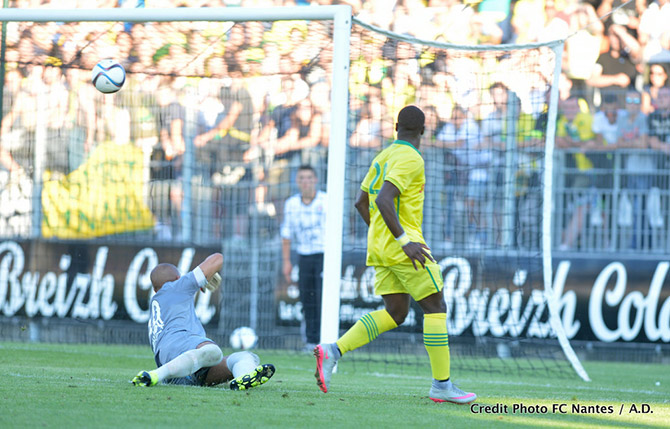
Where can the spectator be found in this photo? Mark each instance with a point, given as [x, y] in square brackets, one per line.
[659, 122]
[81, 119]
[574, 126]
[484, 30]
[281, 151]
[658, 78]
[167, 162]
[605, 122]
[233, 128]
[19, 125]
[574, 131]
[304, 230]
[528, 19]
[10, 139]
[555, 23]
[437, 222]
[654, 34]
[144, 50]
[303, 135]
[582, 48]
[452, 21]
[616, 68]
[462, 135]
[632, 129]
[624, 15]
[498, 12]
[207, 143]
[496, 128]
[55, 98]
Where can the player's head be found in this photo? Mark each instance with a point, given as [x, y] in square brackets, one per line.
[306, 179]
[411, 122]
[163, 273]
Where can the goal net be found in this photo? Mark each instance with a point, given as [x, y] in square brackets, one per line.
[488, 145]
[200, 150]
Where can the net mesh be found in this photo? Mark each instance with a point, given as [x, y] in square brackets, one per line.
[212, 124]
[486, 124]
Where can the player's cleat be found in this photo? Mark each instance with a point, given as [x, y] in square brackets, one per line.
[326, 359]
[145, 378]
[451, 394]
[258, 376]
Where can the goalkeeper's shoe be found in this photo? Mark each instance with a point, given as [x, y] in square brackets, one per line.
[326, 359]
[451, 393]
[145, 378]
[258, 376]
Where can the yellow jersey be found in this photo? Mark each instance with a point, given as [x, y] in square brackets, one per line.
[401, 164]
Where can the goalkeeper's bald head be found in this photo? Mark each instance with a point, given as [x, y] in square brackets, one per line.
[411, 120]
[163, 273]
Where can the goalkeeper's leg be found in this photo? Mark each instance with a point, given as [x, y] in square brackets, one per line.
[248, 371]
[205, 355]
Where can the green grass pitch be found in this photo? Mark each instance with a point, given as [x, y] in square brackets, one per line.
[71, 385]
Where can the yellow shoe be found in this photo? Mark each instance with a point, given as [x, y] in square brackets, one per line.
[145, 378]
[258, 376]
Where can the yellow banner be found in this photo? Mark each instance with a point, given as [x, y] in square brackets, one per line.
[103, 196]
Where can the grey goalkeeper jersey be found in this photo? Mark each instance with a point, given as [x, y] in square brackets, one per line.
[174, 327]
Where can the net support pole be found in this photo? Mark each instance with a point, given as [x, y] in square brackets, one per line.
[332, 261]
[547, 210]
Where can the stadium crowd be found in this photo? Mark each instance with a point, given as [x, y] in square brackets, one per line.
[253, 99]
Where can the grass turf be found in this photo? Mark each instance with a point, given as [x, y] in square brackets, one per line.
[72, 385]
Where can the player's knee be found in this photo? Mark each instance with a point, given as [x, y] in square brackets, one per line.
[399, 315]
[210, 355]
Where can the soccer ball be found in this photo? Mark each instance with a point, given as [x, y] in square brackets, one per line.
[108, 76]
[243, 338]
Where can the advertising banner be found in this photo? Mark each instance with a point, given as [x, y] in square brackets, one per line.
[598, 299]
[102, 197]
[78, 280]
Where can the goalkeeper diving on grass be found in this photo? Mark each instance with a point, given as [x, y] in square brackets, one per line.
[183, 354]
[391, 204]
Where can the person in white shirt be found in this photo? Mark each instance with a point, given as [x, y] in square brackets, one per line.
[303, 228]
[606, 120]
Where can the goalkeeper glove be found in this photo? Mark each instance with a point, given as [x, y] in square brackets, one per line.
[213, 283]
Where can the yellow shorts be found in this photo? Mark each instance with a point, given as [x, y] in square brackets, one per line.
[404, 279]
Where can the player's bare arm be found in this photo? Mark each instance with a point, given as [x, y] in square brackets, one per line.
[363, 206]
[414, 251]
[211, 265]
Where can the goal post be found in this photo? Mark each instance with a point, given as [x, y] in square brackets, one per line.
[503, 225]
[488, 204]
[340, 15]
[547, 222]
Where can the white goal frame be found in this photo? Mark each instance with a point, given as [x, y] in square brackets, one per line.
[342, 22]
[342, 17]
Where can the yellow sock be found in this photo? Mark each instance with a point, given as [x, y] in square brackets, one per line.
[365, 330]
[436, 340]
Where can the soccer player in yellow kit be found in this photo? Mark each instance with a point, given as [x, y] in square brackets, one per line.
[391, 203]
